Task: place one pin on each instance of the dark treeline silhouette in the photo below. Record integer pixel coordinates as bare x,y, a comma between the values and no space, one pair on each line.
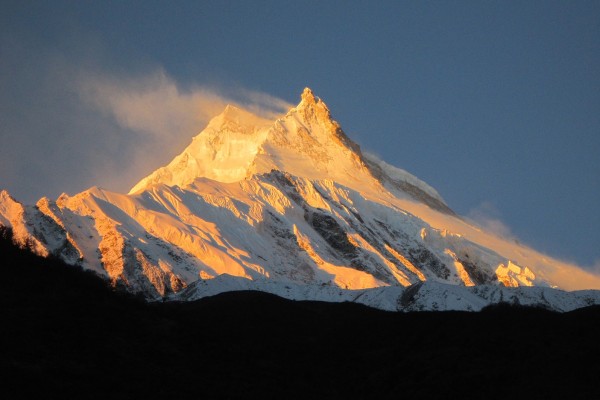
66,334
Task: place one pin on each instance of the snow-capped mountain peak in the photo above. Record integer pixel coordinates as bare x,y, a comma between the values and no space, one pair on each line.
238,144
294,207
314,113
307,97
234,117
313,109
223,151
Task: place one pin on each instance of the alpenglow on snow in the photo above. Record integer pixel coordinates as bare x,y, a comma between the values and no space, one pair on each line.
292,207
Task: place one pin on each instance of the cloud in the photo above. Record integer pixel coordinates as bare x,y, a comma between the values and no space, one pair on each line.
569,275
487,216
154,104
263,104
151,105
72,119
157,117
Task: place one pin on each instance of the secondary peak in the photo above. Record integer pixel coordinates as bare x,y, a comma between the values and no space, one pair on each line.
236,116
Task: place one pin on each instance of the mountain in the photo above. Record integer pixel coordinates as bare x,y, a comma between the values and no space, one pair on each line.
295,208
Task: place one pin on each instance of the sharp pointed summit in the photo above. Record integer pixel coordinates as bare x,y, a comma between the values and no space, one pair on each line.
313,108
307,95
307,98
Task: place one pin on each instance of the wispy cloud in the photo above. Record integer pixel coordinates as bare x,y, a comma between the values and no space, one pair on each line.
263,104
155,104
157,117
69,122
150,105
487,216
569,275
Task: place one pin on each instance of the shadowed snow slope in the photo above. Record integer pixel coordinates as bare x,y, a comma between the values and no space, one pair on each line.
292,207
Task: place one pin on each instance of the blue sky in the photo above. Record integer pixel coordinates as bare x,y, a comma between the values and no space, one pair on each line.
495,104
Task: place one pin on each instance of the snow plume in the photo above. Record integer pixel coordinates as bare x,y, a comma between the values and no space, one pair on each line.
151,105
574,277
487,216
157,117
73,119
568,275
263,104
154,104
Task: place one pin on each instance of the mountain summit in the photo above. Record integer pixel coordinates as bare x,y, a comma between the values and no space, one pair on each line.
292,207
236,145
305,142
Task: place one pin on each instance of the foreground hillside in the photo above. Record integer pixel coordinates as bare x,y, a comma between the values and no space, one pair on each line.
66,334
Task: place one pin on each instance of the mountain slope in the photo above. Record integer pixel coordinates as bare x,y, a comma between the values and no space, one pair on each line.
287,202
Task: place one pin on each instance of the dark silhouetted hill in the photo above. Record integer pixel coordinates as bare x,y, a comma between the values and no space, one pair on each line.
66,334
